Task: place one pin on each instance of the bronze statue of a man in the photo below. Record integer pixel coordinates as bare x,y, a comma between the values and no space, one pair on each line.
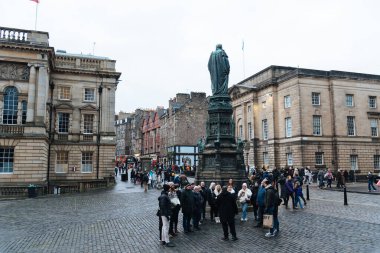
219,68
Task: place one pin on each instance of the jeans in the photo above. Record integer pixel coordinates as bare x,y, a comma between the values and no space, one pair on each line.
186,222
244,207
298,201
370,186
260,214
276,224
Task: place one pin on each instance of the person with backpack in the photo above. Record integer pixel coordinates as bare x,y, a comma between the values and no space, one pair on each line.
272,201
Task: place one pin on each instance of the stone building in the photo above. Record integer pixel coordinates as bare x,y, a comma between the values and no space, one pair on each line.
151,140
123,131
304,117
57,112
182,125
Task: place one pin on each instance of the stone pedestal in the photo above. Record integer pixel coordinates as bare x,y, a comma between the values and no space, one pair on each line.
221,158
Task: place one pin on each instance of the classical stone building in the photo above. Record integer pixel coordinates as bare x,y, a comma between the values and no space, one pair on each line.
56,111
305,117
182,125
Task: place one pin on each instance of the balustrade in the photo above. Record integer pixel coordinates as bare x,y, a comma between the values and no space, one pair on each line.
11,129
13,35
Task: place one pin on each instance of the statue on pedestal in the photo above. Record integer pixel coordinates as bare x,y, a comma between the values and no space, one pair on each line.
219,68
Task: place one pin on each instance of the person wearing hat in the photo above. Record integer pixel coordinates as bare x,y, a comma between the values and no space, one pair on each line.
165,212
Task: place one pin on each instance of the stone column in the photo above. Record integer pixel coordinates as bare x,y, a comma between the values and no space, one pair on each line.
31,94
42,95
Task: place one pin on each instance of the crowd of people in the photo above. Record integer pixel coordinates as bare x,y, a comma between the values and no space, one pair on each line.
264,190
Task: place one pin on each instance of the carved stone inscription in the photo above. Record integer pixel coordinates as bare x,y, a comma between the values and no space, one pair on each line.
14,71
209,161
228,162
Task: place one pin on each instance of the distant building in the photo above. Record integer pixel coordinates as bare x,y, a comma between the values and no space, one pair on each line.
182,125
303,117
56,112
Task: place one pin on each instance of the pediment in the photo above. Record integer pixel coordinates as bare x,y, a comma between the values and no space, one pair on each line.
88,108
64,107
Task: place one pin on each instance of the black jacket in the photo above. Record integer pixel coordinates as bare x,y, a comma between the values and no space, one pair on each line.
204,194
198,201
227,207
187,202
165,204
211,197
271,200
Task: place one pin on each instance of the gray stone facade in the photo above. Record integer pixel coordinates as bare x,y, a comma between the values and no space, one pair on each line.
303,117
182,125
57,125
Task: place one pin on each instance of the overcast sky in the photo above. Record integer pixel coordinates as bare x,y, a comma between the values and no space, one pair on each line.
162,46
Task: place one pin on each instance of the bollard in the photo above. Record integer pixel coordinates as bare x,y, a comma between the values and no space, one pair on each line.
307,192
345,196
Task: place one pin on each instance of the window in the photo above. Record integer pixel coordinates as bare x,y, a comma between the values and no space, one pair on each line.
86,162
351,126
287,102
317,125
24,105
374,132
289,158
63,122
349,100
265,158
249,108
250,130
6,159
240,131
89,94
315,98
62,164
288,127
372,102
88,123
376,162
10,106
265,129
354,162
264,104
64,93
318,158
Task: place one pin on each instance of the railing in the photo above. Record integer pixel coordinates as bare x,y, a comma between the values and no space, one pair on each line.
30,37
79,63
18,191
12,129
13,35
63,137
88,137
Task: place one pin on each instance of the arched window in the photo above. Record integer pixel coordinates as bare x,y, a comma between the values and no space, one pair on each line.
10,106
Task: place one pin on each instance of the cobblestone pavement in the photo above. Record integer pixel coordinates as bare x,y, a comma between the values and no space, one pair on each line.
123,220
358,187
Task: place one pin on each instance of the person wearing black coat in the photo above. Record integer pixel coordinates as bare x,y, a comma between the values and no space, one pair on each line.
187,204
227,207
211,201
204,196
165,213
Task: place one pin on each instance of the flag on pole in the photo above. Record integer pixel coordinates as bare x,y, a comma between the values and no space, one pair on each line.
37,1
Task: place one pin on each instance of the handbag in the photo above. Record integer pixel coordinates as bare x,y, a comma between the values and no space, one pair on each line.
267,221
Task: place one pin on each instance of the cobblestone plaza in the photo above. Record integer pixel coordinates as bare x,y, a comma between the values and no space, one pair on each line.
123,219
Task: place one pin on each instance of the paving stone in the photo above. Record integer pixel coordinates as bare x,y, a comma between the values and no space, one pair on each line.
125,221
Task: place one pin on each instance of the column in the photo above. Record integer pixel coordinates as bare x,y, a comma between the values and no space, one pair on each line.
42,94
31,94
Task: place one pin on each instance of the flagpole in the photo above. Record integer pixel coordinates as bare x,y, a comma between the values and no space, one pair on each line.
243,60
35,22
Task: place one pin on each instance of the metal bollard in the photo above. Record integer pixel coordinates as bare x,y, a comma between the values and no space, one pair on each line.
307,192
345,196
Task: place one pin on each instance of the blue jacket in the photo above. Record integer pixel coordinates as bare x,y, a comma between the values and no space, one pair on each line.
261,196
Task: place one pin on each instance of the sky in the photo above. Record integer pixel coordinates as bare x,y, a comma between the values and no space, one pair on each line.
162,46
